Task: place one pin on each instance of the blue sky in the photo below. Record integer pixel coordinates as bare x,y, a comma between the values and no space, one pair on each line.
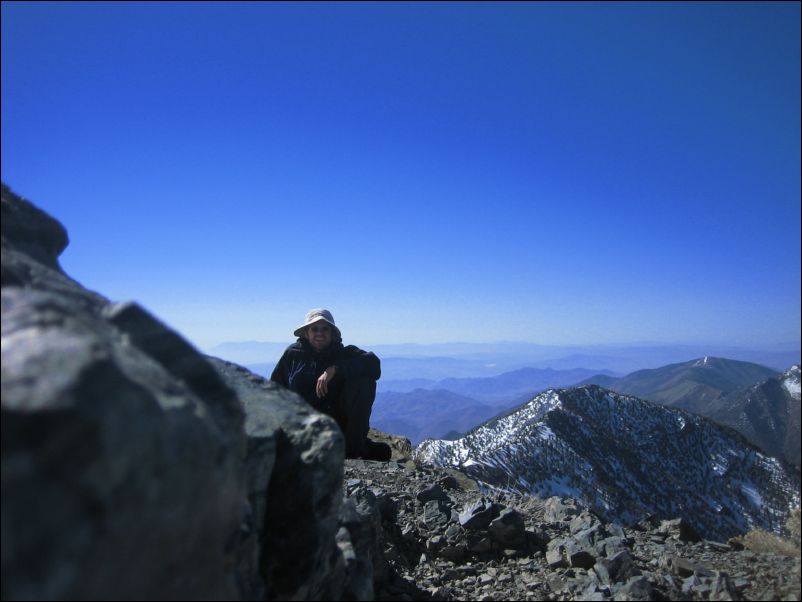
555,173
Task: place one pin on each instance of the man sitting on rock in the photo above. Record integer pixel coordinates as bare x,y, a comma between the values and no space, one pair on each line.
336,380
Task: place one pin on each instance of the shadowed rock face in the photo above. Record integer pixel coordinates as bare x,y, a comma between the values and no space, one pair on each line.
294,475
113,468
134,467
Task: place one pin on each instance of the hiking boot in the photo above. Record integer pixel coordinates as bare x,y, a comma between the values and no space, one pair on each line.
378,451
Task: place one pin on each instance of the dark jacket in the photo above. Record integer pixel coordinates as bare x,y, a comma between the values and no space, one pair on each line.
300,366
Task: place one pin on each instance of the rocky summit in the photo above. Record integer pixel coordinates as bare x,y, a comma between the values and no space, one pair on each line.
135,467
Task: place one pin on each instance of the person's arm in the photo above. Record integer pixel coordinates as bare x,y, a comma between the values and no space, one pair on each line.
322,386
355,363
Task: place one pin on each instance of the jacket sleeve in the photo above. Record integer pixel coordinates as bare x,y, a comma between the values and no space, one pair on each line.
279,374
355,363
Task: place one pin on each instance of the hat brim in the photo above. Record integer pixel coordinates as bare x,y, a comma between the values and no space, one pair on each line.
300,330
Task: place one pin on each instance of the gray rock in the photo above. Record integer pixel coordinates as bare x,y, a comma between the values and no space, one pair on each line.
448,482
299,554
615,530
454,552
508,529
589,537
362,548
690,583
682,567
560,509
621,567
679,528
556,554
454,533
584,522
610,546
436,515
723,588
435,543
578,556
435,492
601,571
637,588
479,514
478,542
113,468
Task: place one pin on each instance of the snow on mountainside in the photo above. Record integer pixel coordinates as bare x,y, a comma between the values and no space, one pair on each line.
625,458
791,382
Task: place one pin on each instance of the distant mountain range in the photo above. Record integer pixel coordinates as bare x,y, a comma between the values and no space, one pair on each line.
422,413
757,401
504,387
626,458
689,385
456,360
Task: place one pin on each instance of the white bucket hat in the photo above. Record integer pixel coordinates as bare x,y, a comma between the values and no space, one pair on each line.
317,315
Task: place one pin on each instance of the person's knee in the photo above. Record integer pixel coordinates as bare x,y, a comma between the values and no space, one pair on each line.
363,385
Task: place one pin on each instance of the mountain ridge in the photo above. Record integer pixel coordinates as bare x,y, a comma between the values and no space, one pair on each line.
624,458
689,384
763,410
767,413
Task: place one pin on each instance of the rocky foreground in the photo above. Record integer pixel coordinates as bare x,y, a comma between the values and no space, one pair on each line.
441,539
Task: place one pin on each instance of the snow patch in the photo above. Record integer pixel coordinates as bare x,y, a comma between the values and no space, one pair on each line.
792,386
750,491
546,434
556,486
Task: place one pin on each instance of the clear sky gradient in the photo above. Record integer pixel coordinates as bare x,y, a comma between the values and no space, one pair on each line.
555,173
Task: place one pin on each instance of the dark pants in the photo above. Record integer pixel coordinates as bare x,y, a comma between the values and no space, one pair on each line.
351,409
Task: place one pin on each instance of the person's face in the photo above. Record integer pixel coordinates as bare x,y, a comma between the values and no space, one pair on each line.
319,335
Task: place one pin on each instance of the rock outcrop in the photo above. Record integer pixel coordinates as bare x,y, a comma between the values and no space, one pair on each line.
293,471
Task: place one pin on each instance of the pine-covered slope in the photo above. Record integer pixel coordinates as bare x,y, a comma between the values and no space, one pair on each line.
625,458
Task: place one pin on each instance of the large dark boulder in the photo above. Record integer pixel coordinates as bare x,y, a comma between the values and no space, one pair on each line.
116,476
134,467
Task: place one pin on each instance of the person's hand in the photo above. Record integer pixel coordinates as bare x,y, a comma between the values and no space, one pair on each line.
322,387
